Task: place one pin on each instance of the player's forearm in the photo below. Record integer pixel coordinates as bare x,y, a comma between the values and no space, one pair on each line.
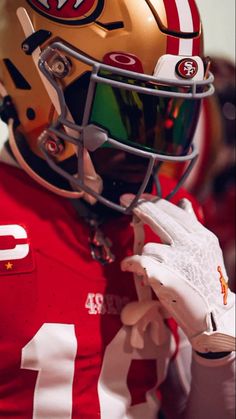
212,392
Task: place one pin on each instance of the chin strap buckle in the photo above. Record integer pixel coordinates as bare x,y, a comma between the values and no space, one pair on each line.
35,40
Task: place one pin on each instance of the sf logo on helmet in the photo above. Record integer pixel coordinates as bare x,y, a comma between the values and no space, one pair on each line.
71,12
187,68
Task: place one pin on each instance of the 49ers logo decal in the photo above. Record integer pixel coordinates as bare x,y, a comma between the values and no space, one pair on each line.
187,68
71,12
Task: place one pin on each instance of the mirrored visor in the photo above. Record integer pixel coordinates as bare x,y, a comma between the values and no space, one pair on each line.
157,124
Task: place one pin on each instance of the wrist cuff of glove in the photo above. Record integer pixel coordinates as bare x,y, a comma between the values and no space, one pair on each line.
213,355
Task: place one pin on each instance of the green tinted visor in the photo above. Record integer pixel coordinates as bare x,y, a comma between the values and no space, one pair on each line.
137,114
144,115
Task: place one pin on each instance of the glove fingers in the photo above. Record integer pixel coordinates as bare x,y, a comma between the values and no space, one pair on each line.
153,271
163,224
146,211
157,251
186,205
184,215
182,300
134,264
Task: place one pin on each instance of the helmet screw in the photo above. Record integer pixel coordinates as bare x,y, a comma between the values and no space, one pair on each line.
25,47
60,67
54,146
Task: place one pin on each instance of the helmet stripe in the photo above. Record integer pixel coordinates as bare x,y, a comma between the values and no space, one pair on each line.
195,16
182,16
196,27
172,15
185,15
172,23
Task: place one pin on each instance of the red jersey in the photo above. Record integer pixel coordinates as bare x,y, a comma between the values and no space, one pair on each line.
64,352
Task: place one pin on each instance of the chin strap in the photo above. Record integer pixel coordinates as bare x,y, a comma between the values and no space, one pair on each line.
145,315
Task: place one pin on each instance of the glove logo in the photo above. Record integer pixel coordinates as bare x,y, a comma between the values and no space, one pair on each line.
71,12
15,252
187,68
224,286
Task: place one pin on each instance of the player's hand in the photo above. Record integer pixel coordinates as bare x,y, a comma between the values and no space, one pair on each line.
187,274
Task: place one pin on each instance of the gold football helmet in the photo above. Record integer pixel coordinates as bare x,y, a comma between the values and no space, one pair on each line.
83,76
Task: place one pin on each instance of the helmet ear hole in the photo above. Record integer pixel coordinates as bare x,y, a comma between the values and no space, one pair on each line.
75,96
30,113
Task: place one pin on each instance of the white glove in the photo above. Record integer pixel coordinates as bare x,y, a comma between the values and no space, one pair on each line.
187,274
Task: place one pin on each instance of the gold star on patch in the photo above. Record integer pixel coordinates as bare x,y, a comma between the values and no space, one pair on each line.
8,266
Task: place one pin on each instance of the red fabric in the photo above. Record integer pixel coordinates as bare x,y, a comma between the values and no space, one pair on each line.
173,24
65,287
195,16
